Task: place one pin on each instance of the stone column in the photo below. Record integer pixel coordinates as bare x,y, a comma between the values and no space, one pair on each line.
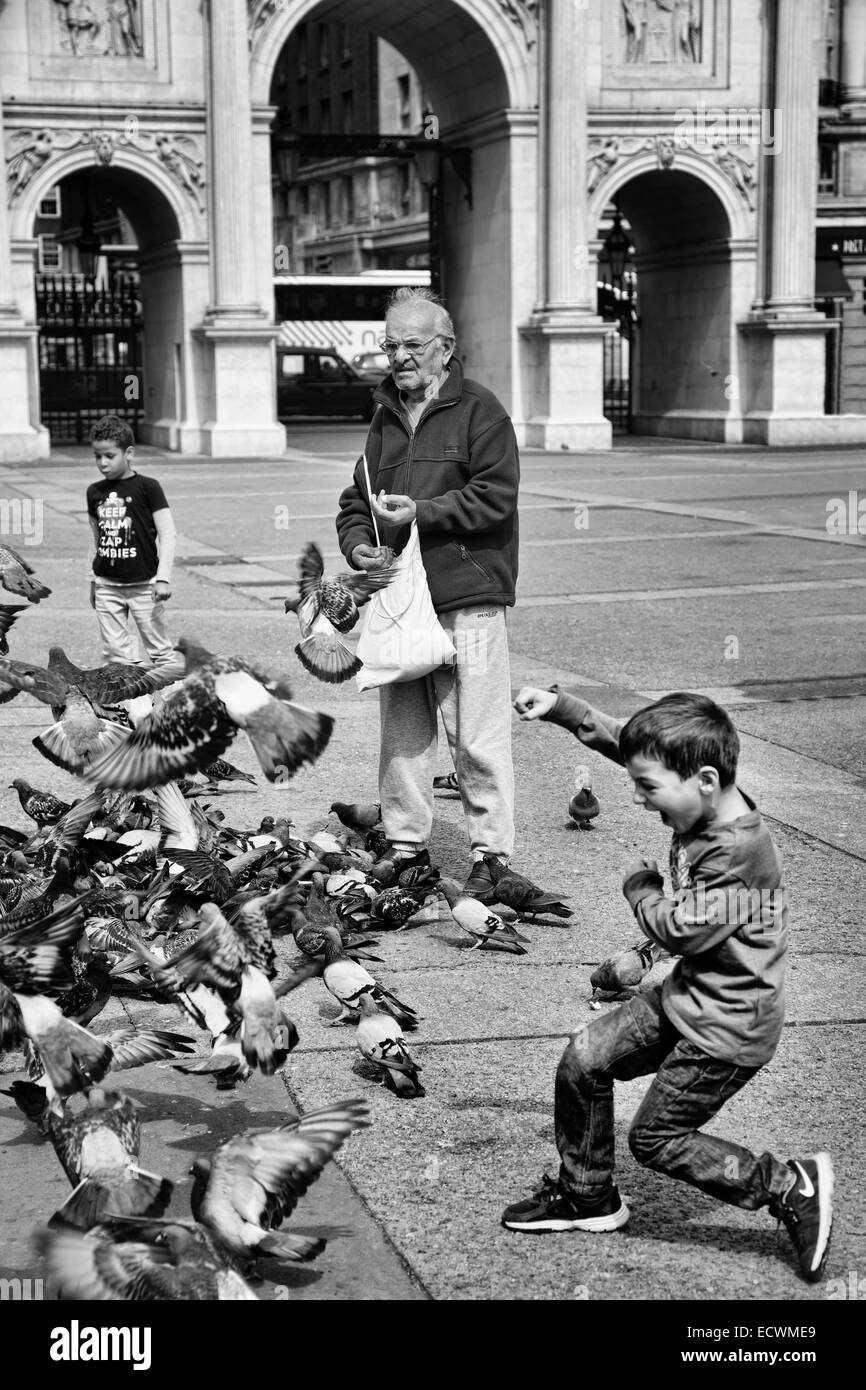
239,330
564,337
793,159
21,435
785,353
853,53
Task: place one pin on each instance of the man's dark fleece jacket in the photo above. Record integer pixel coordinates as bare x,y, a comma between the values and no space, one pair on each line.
462,469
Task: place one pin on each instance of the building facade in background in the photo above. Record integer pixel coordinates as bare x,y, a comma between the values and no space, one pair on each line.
723,140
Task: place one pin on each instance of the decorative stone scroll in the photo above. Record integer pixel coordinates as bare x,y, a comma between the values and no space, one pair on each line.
180,155
736,162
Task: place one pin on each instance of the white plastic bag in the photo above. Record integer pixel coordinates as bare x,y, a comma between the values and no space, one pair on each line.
401,637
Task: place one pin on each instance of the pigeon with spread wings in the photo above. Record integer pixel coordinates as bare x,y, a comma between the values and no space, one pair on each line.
196,723
16,576
327,606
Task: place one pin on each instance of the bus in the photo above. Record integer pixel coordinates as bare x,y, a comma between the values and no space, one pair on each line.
345,312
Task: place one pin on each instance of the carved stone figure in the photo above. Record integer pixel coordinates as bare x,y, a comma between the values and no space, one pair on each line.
635,17
523,13
103,146
81,24
662,31
28,159
183,166
124,29
666,149
600,161
735,167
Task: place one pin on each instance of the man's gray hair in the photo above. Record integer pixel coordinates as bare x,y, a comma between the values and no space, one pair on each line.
409,296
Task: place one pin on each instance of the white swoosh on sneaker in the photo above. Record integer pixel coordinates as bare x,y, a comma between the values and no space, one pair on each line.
807,1190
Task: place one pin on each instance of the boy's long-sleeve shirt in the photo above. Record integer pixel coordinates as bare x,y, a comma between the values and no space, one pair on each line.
727,921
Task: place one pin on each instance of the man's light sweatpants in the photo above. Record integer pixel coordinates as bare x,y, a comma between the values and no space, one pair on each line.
474,697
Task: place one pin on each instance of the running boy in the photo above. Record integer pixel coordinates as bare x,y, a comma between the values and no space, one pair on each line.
716,1019
134,536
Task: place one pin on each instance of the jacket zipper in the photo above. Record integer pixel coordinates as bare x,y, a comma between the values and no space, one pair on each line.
440,405
467,555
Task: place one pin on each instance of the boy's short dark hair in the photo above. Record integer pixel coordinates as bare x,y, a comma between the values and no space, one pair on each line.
113,428
685,733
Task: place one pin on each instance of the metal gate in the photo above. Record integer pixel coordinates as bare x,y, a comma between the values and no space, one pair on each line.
90,354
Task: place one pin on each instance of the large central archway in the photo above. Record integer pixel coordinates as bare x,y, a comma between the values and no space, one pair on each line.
473,62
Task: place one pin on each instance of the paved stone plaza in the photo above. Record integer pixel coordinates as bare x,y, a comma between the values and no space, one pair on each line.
644,570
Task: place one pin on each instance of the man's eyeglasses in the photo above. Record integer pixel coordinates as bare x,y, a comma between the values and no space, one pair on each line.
412,347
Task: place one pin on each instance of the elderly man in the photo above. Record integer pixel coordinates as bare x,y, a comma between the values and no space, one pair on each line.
442,452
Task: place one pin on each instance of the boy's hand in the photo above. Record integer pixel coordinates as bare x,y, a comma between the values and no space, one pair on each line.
161,590
93,593
640,866
532,703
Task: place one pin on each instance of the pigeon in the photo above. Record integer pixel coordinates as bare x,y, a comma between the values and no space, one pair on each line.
395,907
447,782
43,807
514,890
380,1040
221,771
197,722
358,815
98,1148
15,576
489,930
110,683
254,1181
326,607
179,1262
583,806
8,615
78,736
347,981
624,969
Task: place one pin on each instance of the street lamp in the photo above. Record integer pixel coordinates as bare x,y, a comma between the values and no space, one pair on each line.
615,251
88,243
428,164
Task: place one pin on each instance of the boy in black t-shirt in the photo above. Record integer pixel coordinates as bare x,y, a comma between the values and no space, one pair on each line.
134,535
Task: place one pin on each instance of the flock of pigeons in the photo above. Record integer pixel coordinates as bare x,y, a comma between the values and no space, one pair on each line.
141,888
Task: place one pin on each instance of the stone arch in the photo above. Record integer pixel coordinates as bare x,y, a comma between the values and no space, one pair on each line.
170,229
693,234
740,217
175,212
490,49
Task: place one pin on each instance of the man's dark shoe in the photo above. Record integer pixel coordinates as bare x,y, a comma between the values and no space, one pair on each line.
479,884
393,862
550,1210
807,1211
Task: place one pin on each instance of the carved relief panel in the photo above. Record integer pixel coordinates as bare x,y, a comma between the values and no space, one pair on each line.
98,40
665,43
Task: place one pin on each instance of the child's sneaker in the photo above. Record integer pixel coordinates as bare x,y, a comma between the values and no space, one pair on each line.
807,1211
550,1210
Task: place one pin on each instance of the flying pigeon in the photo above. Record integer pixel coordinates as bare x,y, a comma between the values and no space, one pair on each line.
15,576
327,605
8,615
218,696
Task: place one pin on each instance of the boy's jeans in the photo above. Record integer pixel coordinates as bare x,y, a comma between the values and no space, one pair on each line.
690,1087
115,605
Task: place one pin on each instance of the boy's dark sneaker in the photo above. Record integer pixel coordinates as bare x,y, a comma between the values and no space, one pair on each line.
550,1210
394,861
479,884
807,1211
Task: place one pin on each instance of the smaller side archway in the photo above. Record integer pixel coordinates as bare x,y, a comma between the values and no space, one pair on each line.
172,273
695,281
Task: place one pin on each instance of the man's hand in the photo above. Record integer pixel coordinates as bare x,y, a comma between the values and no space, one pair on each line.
372,557
532,703
394,507
161,590
93,593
